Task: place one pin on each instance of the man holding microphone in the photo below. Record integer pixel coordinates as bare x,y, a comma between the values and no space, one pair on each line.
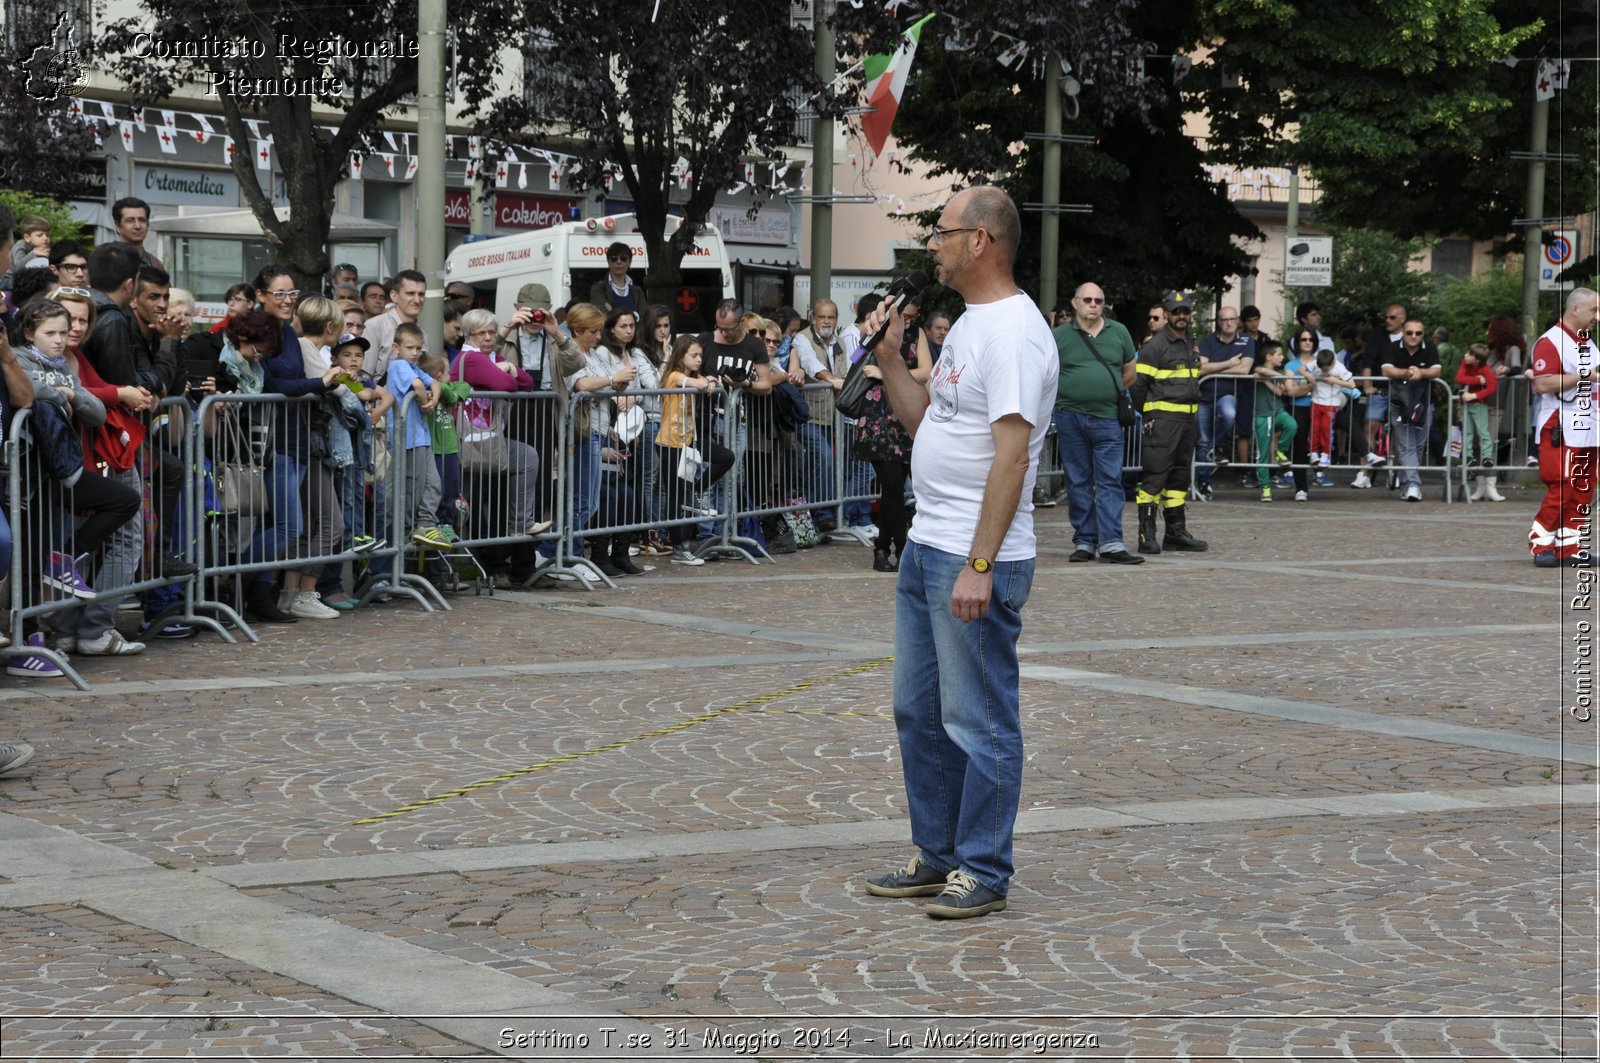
977,427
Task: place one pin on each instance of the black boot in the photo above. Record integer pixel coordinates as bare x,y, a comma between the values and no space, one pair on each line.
1178,537
1148,543
600,554
619,557
259,604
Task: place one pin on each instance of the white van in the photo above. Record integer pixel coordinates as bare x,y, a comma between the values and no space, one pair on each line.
568,259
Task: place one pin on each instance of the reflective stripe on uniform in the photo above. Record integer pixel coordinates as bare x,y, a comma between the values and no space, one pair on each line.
1171,407
1164,374
1173,499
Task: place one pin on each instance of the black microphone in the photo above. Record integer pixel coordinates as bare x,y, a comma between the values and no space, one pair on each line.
908,288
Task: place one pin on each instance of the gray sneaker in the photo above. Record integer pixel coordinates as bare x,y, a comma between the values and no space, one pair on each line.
964,898
682,555
13,755
913,880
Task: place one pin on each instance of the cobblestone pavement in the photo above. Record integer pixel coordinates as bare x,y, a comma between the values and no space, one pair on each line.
1316,793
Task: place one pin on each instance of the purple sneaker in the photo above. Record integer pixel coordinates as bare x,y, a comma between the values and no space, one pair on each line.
62,574
33,665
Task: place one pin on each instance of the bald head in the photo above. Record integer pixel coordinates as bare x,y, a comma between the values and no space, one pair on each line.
990,209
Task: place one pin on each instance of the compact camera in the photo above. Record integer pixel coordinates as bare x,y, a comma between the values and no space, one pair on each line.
538,317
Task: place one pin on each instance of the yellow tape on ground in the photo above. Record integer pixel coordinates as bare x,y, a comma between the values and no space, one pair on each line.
660,732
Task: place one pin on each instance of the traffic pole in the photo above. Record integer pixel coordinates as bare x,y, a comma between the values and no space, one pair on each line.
430,165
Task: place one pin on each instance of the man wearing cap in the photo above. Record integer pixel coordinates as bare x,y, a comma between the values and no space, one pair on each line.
533,341
1166,390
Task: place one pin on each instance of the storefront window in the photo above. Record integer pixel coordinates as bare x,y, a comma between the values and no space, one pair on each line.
209,267
367,257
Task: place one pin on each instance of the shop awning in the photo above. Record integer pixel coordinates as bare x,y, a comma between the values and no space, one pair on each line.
243,224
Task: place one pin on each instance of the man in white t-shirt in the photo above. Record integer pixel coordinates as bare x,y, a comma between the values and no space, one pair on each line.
1565,372
977,429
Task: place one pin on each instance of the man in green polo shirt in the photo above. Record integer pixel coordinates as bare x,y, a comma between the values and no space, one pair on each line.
1097,365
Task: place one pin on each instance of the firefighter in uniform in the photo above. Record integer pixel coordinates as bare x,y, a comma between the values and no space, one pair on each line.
1166,392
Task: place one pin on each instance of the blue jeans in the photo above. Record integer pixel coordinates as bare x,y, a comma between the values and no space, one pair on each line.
274,541
816,457
1091,458
957,714
585,490
1215,424
1410,445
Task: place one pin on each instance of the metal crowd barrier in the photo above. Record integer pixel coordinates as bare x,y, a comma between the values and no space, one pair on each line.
1511,443
1351,445
237,530
493,510
44,516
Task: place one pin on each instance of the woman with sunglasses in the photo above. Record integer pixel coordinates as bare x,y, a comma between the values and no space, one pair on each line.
312,530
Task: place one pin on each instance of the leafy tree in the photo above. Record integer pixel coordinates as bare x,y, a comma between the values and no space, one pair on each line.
710,82
1465,304
1156,221
1404,110
42,151
361,88
1370,271
63,226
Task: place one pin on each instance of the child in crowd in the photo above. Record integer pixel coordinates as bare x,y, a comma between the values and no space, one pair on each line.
416,441
1271,382
362,406
35,243
1332,384
446,446
1478,382
678,430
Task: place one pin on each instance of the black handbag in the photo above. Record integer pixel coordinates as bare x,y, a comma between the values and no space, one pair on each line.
1125,414
852,398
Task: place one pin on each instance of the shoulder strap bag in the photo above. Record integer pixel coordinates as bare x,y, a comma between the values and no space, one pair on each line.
1125,413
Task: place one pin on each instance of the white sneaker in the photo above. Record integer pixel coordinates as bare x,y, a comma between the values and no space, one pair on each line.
1325,460
1374,459
1362,481
111,644
286,599
1412,494
1301,496
308,606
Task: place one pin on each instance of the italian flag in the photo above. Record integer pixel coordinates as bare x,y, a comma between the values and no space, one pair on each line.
886,83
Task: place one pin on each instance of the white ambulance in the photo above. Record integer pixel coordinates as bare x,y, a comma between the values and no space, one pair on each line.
568,258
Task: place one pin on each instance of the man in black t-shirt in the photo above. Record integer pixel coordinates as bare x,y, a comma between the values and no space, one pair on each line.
742,363
732,354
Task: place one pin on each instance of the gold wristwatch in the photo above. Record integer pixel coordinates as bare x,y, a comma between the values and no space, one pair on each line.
980,565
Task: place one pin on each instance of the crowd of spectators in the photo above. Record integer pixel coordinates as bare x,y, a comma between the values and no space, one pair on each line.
108,358
1370,398
337,432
